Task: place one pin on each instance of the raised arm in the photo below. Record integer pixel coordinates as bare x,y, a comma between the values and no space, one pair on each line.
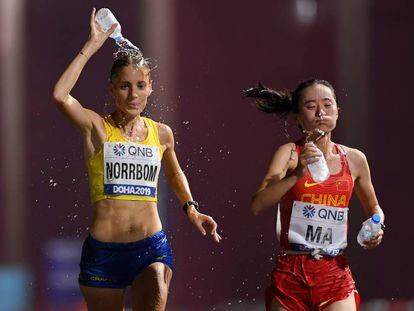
82,118
178,181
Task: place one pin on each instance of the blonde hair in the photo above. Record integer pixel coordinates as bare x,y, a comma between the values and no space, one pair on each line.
125,61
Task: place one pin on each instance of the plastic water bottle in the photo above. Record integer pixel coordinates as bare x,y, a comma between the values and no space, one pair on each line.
106,19
370,228
319,170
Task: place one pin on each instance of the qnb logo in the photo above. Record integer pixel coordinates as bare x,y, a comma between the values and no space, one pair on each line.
308,211
119,149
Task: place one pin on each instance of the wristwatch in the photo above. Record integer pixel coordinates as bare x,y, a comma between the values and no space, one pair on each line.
188,204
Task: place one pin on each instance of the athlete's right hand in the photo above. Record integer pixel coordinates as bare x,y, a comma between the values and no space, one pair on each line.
205,223
97,36
310,154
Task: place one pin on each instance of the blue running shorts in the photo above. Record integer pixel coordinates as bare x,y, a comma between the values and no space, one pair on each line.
115,265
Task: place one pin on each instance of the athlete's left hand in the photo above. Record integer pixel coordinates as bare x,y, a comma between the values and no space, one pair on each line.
375,241
204,224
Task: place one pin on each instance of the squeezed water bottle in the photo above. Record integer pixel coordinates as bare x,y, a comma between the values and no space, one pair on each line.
106,19
369,229
319,170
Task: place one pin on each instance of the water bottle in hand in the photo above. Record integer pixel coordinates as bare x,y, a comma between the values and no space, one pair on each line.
319,170
106,19
370,228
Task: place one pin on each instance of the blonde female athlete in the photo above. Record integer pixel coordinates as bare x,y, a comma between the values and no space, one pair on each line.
124,151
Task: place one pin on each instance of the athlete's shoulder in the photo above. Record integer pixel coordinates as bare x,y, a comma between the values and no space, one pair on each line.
288,147
163,128
165,134
354,155
160,126
284,151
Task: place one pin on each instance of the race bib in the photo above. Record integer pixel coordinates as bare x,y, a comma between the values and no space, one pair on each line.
131,169
315,226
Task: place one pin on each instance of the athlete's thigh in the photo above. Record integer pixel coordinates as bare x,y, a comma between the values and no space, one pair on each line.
103,299
347,304
149,290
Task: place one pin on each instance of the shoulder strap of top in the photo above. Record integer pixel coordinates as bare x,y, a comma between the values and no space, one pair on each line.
299,146
343,154
153,130
341,149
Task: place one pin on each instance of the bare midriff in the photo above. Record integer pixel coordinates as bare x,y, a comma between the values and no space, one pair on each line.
124,221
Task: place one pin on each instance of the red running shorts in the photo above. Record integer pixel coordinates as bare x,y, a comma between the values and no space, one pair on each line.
302,283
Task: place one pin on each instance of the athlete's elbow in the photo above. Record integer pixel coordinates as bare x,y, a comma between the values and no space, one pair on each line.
59,97
175,177
255,206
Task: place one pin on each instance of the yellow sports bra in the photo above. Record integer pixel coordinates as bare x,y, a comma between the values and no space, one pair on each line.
124,170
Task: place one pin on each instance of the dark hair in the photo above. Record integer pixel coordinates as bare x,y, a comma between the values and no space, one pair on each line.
281,102
126,60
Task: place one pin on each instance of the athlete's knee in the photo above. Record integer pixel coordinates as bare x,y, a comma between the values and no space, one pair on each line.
159,276
151,288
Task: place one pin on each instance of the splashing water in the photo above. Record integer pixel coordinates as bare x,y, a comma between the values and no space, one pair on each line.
285,128
314,135
126,48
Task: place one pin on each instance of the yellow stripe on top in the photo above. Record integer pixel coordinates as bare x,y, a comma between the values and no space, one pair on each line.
124,170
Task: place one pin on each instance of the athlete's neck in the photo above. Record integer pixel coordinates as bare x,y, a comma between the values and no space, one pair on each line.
132,127
326,145
125,121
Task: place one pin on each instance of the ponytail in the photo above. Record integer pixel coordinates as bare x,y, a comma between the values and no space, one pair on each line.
270,101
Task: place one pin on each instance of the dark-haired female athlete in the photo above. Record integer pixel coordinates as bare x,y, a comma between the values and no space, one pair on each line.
311,270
